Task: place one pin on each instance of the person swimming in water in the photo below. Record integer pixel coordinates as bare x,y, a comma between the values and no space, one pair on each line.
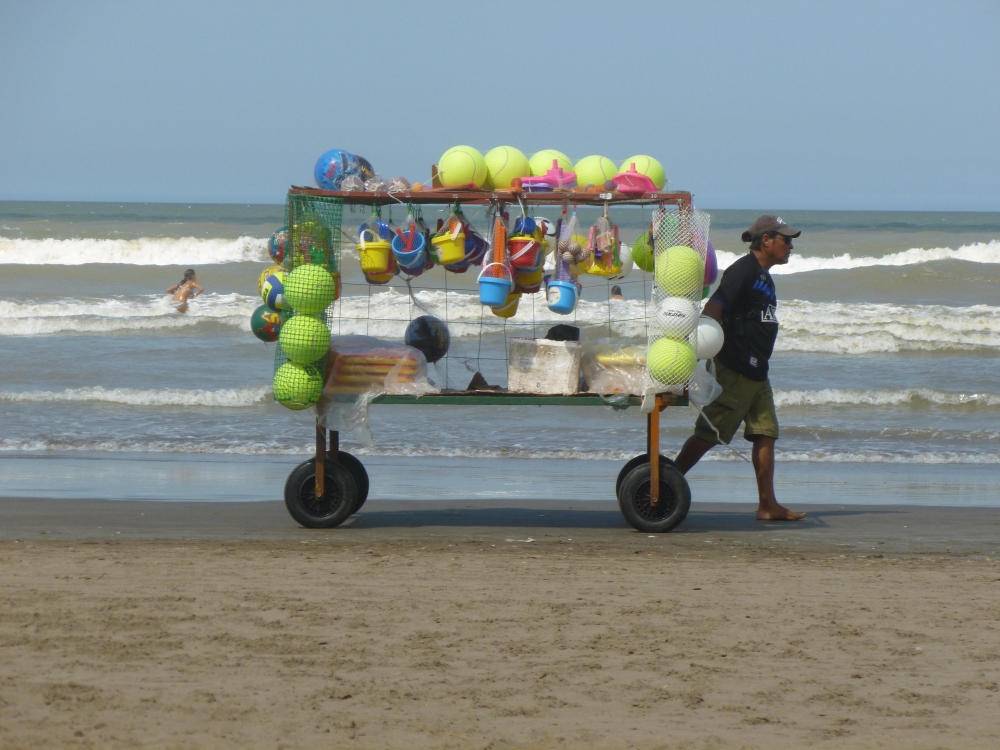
186,289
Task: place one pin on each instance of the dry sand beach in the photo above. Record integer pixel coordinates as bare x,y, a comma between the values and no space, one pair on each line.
474,625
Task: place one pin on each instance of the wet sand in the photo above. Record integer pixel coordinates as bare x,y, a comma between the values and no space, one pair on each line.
502,625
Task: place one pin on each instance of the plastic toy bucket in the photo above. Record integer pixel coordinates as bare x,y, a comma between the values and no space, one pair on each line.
561,296
493,290
374,256
524,251
380,278
416,270
475,248
528,282
448,250
509,308
410,261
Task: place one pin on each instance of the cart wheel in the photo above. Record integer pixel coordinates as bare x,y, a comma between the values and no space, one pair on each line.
664,461
328,511
675,499
357,470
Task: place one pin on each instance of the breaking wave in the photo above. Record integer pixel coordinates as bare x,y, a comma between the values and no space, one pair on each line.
226,397
103,315
272,448
914,397
145,251
978,252
829,327
867,328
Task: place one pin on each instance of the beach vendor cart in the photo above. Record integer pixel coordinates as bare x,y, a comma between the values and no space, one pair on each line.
528,245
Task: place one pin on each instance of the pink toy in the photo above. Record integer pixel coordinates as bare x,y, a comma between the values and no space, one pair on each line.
632,182
554,179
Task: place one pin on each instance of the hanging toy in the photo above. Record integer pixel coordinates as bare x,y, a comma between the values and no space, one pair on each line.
496,278
448,245
524,246
561,290
573,247
606,249
474,249
374,246
409,248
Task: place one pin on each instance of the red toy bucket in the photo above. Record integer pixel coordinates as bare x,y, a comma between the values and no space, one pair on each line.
524,251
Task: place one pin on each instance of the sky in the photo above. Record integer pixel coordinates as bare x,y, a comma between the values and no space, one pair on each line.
784,105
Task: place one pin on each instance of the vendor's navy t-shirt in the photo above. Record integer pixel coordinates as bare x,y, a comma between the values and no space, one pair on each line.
749,317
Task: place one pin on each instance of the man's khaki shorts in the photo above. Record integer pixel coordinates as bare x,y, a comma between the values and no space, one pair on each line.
742,400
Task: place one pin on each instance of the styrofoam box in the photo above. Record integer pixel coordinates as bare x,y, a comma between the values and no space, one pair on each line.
543,366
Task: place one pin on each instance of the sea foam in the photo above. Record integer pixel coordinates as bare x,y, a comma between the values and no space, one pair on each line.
978,252
913,397
110,315
869,328
145,251
830,327
226,397
272,448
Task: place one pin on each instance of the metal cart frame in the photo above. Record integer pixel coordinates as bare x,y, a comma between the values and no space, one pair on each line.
653,495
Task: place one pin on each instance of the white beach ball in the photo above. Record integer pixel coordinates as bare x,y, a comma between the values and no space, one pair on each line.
710,337
678,316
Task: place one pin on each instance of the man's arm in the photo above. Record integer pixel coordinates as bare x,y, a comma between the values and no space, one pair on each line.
713,309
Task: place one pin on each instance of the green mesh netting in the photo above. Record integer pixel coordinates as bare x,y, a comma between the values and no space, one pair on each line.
312,260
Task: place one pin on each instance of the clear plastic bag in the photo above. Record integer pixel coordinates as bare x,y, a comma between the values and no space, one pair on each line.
604,248
703,388
360,368
611,369
573,246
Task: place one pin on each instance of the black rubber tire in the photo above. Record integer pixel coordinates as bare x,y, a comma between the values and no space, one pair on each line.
337,503
358,471
632,463
675,499
360,475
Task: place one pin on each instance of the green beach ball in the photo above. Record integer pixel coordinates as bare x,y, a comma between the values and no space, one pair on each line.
541,162
594,170
297,386
504,163
648,166
304,339
642,252
461,165
310,289
679,271
671,362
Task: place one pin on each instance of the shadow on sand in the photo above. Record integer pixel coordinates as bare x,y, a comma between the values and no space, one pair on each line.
605,517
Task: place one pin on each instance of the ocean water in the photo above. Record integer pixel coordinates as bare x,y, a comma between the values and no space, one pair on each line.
888,351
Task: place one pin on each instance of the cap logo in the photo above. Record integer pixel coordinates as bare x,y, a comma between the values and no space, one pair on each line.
780,220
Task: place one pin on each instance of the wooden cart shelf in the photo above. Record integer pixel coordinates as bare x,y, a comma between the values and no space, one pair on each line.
485,197
485,398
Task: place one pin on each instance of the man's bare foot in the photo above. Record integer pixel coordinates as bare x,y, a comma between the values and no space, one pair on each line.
777,512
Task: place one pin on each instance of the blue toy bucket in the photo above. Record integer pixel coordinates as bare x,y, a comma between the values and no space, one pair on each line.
561,296
475,248
410,260
493,291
